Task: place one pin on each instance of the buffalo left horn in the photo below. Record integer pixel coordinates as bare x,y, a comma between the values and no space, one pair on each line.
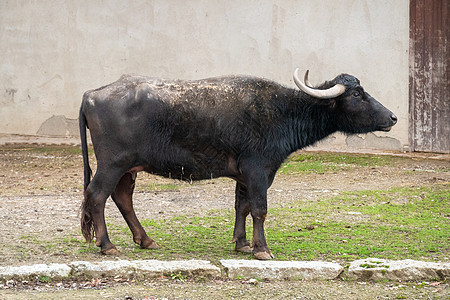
306,80
332,92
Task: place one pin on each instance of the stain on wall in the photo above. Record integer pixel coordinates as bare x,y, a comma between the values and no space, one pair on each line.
59,126
372,141
9,96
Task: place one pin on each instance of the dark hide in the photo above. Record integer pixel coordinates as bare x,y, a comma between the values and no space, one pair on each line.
238,127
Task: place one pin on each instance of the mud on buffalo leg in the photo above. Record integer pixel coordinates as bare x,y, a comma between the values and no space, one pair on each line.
242,207
122,196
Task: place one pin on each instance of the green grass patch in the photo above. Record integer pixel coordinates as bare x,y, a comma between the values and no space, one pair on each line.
185,238
321,162
394,224
153,187
47,150
59,150
44,279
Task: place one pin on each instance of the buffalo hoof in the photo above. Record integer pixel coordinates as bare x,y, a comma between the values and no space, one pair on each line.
150,244
263,255
110,251
245,249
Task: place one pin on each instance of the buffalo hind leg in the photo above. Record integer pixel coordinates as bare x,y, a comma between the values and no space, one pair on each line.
93,214
122,196
242,207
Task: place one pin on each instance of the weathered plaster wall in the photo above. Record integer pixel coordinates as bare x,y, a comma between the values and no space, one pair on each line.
52,51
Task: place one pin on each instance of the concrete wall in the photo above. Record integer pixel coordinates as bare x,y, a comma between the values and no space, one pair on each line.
52,51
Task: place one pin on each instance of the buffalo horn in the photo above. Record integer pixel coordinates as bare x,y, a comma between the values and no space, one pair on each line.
306,80
332,92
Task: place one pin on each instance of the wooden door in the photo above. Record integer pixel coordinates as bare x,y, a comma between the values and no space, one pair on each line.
429,97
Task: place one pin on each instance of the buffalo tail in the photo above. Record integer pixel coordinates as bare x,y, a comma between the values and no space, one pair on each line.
87,223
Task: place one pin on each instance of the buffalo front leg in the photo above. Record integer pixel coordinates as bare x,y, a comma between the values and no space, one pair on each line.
257,177
122,196
260,249
242,207
257,196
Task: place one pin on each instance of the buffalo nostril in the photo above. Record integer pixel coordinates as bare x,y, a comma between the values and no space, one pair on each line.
394,118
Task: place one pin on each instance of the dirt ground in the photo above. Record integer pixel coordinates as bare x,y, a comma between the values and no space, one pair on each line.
228,289
41,191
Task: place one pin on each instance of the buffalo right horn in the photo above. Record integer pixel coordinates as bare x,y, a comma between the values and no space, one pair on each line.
332,92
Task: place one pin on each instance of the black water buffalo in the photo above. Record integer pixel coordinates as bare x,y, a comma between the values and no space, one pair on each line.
235,126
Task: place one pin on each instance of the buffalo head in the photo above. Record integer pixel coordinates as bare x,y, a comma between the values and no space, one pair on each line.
356,110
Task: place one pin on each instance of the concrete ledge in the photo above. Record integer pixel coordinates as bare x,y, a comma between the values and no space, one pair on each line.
308,270
362,270
150,268
50,270
404,270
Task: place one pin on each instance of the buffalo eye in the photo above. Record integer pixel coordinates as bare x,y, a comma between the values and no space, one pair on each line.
356,94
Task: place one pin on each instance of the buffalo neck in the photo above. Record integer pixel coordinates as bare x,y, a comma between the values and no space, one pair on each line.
307,121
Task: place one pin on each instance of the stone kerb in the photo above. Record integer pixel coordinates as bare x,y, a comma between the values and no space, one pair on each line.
50,270
150,268
399,270
309,270
361,270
